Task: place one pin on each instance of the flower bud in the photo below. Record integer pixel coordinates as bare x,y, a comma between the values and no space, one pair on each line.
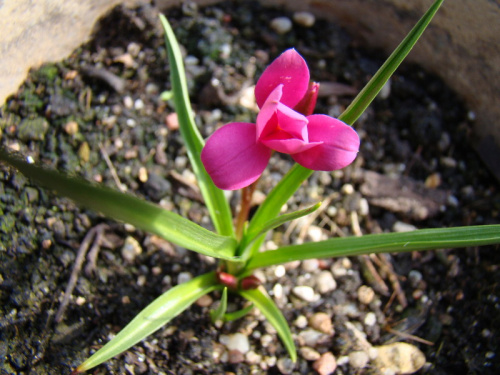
250,282
227,279
308,102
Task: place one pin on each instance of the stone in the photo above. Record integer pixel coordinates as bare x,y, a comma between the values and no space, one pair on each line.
236,341
281,25
365,294
326,364
325,282
305,19
358,359
33,129
321,322
305,293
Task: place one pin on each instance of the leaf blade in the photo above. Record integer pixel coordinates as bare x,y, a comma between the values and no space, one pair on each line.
215,200
153,317
372,88
265,304
124,207
423,239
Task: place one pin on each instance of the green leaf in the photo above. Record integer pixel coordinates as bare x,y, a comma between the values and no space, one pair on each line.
423,239
235,315
215,200
372,88
265,304
271,207
218,313
119,206
276,222
154,316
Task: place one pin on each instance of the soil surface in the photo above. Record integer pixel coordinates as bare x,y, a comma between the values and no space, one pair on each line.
98,114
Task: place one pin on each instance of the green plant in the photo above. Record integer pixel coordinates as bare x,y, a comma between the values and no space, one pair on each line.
237,247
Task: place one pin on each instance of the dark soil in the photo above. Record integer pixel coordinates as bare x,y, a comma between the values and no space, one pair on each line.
419,129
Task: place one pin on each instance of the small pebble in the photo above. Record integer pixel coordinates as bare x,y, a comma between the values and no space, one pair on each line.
326,364
308,353
204,301
365,294
399,226
236,341
305,19
71,127
300,322
172,121
310,265
285,365
143,174
281,25
358,359
385,92
131,249
253,358
370,319
315,233
321,322
184,277
279,271
325,282
414,277
128,102
347,189
311,337
235,356
305,293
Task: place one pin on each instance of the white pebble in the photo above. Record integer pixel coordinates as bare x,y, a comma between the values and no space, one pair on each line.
305,293
279,271
304,18
128,102
325,282
300,322
370,319
184,277
139,104
236,341
278,291
281,25
358,359
315,233
131,248
365,294
347,189
309,354
310,265
399,226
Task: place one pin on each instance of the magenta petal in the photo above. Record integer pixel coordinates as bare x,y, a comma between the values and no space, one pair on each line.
233,158
339,148
288,145
266,118
289,69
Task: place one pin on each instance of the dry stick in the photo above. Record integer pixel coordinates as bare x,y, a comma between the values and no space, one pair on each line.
409,336
94,250
374,277
112,169
76,270
393,278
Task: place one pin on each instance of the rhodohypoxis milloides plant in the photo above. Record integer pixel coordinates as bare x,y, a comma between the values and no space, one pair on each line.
234,157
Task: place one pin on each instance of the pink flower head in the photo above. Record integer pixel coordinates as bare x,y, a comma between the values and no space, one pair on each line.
236,154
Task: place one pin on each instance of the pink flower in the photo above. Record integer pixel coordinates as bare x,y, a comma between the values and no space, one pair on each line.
236,154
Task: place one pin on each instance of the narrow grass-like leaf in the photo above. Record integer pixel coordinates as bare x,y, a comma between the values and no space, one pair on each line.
154,316
276,222
119,206
271,207
372,88
265,304
235,315
218,313
215,200
423,239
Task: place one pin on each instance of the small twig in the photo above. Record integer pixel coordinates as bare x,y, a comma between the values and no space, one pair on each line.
409,336
373,276
80,257
94,250
115,82
112,169
393,278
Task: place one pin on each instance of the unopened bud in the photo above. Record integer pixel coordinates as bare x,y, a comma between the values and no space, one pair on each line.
250,282
308,102
227,279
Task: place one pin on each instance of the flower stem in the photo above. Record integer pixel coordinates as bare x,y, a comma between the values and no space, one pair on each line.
246,200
